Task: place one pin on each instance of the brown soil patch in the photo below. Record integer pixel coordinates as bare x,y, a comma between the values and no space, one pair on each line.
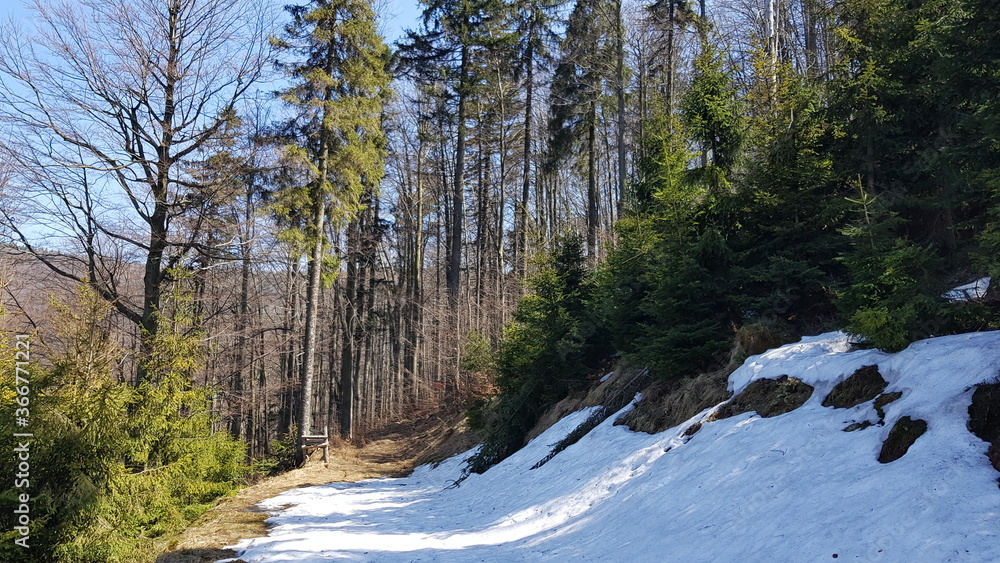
768,397
862,386
393,452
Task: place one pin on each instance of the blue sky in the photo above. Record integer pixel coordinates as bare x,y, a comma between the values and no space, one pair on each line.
397,15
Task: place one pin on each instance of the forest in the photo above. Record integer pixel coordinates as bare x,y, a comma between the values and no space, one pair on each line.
229,225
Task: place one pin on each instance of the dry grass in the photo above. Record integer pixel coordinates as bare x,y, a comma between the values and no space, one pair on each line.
768,397
666,404
757,338
862,386
692,430
390,453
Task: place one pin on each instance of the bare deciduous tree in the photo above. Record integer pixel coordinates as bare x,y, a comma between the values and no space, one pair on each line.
109,103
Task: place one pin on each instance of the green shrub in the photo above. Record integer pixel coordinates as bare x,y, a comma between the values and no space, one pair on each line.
113,466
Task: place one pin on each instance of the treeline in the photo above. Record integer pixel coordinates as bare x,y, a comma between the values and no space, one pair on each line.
353,249
824,166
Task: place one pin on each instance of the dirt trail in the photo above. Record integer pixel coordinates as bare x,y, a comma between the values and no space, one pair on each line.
391,453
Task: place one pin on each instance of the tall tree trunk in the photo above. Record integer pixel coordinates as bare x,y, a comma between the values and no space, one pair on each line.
312,304
152,282
316,233
671,30
620,78
809,23
771,40
158,242
237,421
289,355
458,194
592,196
348,364
521,238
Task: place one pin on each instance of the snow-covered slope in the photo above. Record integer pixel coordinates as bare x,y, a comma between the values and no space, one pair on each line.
795,487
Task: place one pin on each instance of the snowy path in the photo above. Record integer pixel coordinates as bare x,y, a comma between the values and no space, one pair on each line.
791,488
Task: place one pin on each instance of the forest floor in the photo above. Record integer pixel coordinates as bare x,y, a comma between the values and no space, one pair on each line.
392,452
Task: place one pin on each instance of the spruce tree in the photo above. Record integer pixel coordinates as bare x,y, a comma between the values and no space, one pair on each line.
341,82
543,354
713,116
791,207
534,23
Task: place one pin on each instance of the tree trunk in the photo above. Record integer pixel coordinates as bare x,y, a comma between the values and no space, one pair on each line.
348,364
288,365
521,238
316,235
620,77
312,302
592,195
458,194
809,23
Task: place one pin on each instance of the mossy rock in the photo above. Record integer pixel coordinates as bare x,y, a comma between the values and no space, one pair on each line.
767,397
862,386
882,400
903,434
984,412
858,426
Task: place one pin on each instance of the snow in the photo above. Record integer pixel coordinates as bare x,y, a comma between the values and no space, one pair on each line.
969,291
795,487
